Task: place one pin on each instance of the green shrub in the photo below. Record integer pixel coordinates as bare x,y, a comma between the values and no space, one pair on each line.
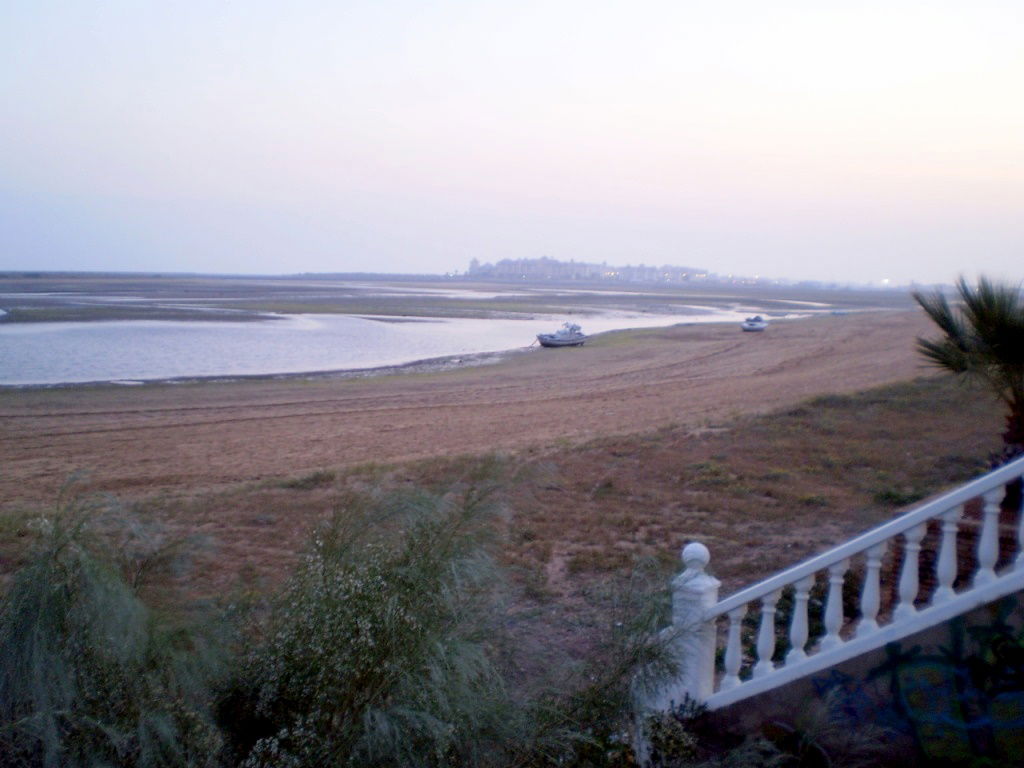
376,652
89,675
669,738
897,497
388,648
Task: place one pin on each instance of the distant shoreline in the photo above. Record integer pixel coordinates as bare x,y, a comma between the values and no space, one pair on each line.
427,365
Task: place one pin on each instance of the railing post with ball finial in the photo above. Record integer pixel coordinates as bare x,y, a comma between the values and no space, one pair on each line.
693,592
691,636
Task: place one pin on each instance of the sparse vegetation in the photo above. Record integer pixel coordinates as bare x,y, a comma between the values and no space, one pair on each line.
309,481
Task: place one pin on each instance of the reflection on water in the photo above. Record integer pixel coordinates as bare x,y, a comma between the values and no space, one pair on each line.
53,353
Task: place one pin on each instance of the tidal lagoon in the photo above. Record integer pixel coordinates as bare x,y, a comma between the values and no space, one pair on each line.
73,329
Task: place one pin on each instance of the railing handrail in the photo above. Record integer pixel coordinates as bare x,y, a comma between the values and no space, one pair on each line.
884,532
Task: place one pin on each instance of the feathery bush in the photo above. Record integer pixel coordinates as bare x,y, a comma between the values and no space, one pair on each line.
376,652
89,675
384,649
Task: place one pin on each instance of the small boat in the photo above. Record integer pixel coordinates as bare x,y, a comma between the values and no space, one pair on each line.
755,323
569,335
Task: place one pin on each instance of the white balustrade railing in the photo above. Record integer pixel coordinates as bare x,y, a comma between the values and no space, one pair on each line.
748,648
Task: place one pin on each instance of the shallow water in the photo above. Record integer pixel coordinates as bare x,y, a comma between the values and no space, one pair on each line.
137,350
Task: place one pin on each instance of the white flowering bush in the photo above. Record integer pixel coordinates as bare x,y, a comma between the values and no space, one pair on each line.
376,652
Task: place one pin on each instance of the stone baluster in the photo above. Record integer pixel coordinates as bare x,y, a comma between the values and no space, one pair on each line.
733,649
766,635
798,628
870,598
988,543
945,569
691,636
834,605
909,582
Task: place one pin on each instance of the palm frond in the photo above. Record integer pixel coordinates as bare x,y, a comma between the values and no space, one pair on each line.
944,354
983,336
938,309
995,315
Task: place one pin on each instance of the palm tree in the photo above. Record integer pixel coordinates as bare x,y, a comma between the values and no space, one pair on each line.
984,341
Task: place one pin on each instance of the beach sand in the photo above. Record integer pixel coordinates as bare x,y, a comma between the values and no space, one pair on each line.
137,440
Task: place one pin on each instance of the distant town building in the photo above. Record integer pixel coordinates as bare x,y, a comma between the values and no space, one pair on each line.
546,268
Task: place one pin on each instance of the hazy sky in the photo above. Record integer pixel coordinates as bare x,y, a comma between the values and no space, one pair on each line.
841,141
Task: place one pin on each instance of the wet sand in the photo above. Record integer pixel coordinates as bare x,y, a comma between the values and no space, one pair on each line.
135,440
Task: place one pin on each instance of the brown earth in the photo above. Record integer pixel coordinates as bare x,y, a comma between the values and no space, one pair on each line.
134,441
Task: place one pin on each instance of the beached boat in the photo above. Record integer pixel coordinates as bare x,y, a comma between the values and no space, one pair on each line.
569,335
756,323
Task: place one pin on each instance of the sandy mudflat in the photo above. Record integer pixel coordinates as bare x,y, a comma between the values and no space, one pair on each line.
175,436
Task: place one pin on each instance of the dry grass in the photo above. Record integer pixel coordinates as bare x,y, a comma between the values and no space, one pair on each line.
762,492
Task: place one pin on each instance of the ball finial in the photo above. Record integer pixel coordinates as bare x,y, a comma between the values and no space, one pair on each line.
695,556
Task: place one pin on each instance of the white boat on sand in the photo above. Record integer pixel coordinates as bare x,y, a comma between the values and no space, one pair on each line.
569,335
